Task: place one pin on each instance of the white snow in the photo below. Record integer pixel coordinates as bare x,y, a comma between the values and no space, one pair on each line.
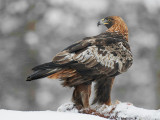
119,111
67,107
68,111
125,110
45,115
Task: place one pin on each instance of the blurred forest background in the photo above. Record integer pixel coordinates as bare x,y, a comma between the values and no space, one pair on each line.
33,31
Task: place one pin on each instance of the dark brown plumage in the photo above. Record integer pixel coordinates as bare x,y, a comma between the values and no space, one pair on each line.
99,58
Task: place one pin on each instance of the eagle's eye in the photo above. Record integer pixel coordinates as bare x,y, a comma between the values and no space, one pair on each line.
109,20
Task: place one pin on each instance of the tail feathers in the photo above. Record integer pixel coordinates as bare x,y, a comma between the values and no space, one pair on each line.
44,66
43,70
41,74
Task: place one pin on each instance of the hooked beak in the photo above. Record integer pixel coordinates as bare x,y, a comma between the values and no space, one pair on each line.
102,22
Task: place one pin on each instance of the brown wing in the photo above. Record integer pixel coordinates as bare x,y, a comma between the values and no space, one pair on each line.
102,54
106,55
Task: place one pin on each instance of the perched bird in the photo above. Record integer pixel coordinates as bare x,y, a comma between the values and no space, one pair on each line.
99,58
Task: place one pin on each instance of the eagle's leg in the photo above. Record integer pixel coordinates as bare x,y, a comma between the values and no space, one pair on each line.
103,91
81,95
110,84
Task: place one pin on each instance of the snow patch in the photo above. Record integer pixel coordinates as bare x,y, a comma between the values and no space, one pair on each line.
124,110
67,107
68,111
116,111
45,115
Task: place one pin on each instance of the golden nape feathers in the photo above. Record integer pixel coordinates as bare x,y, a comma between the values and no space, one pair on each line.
119,26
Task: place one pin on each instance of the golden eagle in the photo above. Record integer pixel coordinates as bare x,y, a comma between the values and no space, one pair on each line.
98,58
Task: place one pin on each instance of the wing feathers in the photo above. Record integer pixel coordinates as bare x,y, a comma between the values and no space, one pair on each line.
104,55
95,51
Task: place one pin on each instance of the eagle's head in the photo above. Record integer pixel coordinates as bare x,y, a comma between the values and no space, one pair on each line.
108,22
114,24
